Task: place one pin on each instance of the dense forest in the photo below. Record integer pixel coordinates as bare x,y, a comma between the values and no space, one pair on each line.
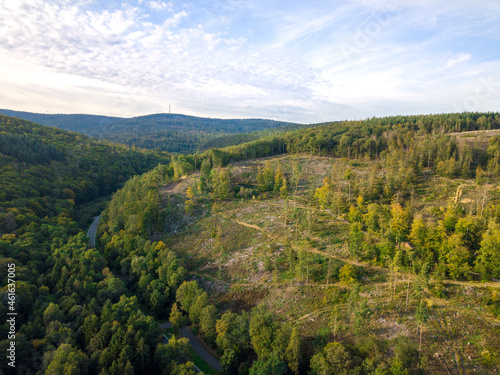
64,289
303,252
164,132
76,122
356,139
236,139
45,169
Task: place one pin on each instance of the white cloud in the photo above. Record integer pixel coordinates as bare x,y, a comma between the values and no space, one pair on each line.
463,57
232,56
160,5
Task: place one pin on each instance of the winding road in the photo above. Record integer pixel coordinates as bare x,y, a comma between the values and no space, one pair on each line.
93,230
196,346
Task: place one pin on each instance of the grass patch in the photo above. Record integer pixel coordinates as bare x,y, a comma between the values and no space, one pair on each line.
201,364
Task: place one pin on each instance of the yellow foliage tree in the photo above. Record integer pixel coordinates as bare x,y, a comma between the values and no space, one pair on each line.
323,193
347,274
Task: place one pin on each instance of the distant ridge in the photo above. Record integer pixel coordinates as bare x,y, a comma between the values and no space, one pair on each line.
73,122
161,131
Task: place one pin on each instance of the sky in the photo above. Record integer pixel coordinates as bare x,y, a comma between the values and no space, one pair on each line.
300,61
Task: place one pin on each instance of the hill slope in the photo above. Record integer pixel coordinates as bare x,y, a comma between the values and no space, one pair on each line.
344,253
75,122
44,169
370,247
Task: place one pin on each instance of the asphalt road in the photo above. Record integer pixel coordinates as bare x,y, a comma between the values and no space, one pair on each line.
196,345
93,230
199,349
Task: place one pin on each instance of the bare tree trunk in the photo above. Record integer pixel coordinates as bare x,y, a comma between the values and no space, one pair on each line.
484,200
391,287
407,292
446,368
420,347
286,215
328,274
395,280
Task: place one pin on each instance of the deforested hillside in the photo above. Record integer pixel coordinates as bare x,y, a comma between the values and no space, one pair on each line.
367,248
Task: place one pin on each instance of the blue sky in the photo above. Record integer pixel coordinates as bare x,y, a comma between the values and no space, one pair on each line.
289,60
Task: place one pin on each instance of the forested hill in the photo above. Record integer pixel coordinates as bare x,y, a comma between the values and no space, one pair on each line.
47,171
178,133
426,135
237,139
166,132
75,122
64,290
